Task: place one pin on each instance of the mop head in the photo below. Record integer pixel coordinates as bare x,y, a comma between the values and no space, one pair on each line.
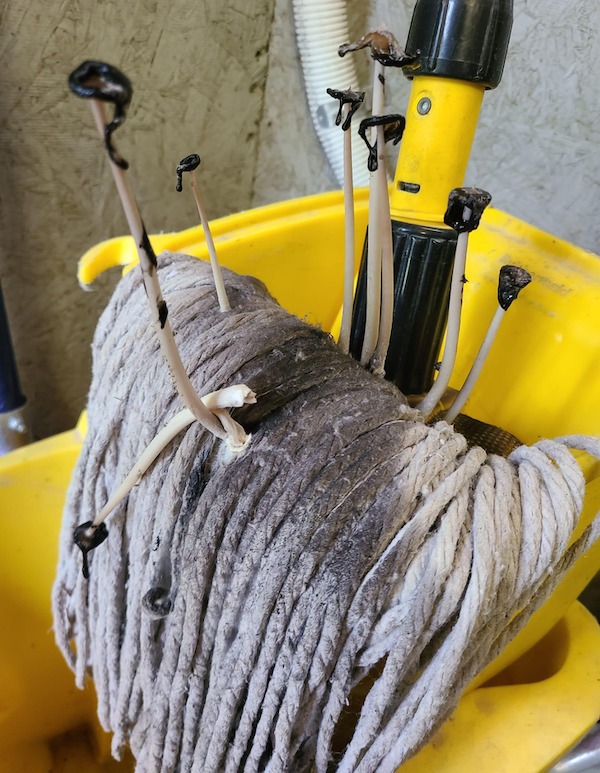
239,602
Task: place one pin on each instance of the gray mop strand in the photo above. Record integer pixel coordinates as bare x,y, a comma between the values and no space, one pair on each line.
238,601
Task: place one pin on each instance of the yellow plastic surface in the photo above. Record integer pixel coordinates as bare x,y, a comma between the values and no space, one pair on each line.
519,723
435,147
541,380
46,724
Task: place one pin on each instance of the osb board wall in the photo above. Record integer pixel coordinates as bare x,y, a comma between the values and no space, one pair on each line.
223,79
537,147
198,70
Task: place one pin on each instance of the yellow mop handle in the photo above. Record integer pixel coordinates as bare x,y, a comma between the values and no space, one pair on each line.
441,119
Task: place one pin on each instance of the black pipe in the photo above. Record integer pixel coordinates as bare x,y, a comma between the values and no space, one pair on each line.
11,396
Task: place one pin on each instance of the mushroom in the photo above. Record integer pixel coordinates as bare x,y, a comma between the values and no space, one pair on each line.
393,129
350,101
189,164
100,82
385,51
465,208
511,281
90,534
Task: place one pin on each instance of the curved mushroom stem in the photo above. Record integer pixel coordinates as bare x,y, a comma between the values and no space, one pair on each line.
440,385
374,233
344,341
393,129
218,402
386,320
148,266
98,81
350,101
512,280
190,164
466,389
465,208
386,52
386,317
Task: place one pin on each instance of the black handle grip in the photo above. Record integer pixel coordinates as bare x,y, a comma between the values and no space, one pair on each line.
423,259
11,396
463,39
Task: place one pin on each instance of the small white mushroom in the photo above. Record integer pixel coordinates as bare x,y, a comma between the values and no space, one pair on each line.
350,101
465,208
190,164
393,129
511,281
386,52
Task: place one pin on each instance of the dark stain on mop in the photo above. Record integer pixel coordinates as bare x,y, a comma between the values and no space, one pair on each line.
163,313
381,79
197,480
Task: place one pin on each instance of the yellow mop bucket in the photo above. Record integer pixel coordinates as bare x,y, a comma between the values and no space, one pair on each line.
543,693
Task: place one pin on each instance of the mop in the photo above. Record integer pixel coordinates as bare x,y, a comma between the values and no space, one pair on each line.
237,601
268,567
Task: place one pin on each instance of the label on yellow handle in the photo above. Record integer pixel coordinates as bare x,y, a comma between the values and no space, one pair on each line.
441,120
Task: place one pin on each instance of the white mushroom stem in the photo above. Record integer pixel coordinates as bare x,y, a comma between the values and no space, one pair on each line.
219,402
224,304
431,399
183,384
476,368
344,340
386,318
374,236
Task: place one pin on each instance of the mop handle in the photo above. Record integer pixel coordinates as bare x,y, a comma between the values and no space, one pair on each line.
459,48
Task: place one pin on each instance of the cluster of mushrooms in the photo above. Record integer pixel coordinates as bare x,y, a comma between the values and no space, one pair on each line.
102,83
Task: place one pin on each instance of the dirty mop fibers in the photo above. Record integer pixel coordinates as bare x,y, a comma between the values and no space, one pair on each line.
237,602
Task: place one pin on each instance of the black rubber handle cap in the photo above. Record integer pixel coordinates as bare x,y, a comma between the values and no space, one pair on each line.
423,260
462,39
